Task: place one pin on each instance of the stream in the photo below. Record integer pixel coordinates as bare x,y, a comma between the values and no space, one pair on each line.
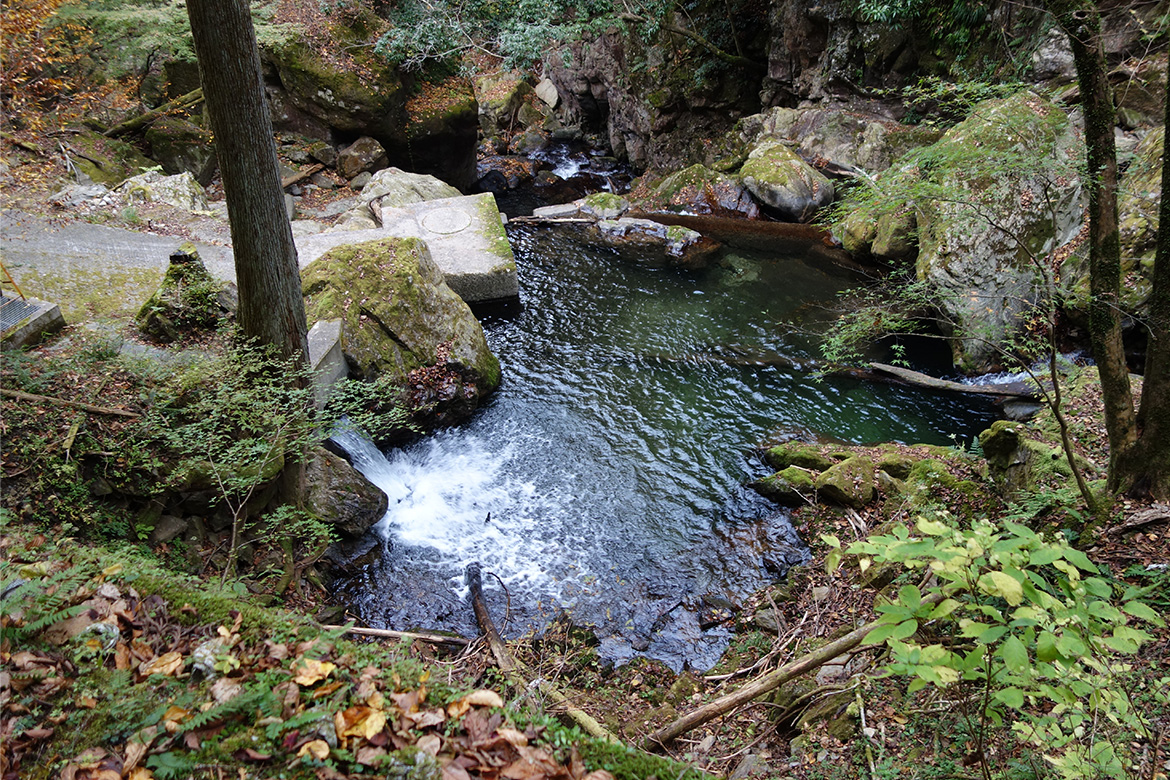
604,478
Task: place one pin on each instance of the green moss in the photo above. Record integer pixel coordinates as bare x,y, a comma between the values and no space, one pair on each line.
83,295
805,456
494,232
606,201
627,763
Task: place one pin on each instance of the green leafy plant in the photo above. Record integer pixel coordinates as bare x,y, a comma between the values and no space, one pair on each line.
1031,625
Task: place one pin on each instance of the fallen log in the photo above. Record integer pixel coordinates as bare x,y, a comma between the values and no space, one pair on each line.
183,101
1009,390
301,175
386,633
515,671
62,402
758,687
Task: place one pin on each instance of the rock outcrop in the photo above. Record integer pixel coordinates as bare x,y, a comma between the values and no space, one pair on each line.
399,318
181,146
337,494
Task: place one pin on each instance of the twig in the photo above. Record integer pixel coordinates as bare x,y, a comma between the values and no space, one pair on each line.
62,402
385,633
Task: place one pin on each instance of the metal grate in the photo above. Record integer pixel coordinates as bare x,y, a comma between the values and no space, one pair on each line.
13,310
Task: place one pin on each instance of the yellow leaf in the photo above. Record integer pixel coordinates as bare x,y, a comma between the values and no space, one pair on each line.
34,571
998,583
140,773
110,571
318,749
166,664
311,671
484,698
376,701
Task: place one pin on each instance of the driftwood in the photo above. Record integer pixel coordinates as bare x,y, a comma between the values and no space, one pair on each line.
1009,390
62,402
758,687
515,671
183,101
301,175
1157,513
385,633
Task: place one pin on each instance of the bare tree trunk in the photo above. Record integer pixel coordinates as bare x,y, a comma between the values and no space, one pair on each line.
272,310
1147,470
1081,21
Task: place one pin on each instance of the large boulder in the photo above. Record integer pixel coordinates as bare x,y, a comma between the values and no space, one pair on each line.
181,146
780,179
400,319
181,190
851,483
364,154
337,494
1010,195
1138,204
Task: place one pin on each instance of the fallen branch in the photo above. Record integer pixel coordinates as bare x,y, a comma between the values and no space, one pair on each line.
515,671
1140,519
183,101
770,681
62,402
385,633
1010,389
301,175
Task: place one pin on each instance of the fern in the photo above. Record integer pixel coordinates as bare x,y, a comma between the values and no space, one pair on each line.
40,603
250,699
306,718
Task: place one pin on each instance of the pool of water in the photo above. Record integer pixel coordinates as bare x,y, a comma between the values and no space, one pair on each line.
605,478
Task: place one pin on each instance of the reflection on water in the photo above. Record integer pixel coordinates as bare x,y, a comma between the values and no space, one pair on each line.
604,478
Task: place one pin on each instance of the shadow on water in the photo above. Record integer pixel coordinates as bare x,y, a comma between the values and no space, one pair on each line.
605,476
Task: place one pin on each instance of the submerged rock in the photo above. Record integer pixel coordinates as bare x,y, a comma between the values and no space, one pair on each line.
655,243
399,318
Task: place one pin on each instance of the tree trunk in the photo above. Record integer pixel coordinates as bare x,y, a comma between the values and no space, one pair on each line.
271,308
1082,23
1146,467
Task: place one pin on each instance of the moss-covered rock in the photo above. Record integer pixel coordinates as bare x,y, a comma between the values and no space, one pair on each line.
106,161
604,205
851,483
181,190
932,483
399,318
701,190
337,494
779,178
793,486
181,146
186,301
653,243
806,456
1009,458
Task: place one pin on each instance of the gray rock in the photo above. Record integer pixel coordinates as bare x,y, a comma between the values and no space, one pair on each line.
547,92
364,154
167,528
393,187
181,191
339,495
700,190
654,243
76,194
1053,58
361,180
324,153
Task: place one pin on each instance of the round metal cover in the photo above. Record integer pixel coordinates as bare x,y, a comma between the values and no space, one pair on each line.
446,221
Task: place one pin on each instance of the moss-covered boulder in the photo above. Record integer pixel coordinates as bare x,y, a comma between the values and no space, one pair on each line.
337,494
603,205
426,124
977,246
106,161
399,318
187,300
501,96
806,456
792,486
1138,204
181,146
780,179
701,190
1008,455
851,482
